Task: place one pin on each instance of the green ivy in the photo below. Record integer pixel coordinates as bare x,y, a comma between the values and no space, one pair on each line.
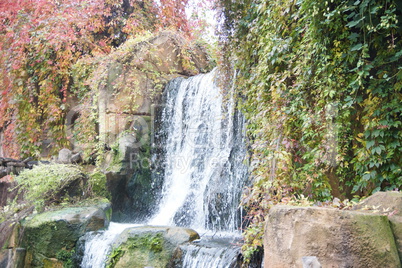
322,87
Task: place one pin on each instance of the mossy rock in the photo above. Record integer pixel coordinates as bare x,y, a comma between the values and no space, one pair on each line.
388,204
149,246
47,234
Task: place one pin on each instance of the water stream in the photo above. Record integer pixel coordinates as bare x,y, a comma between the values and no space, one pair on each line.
199,159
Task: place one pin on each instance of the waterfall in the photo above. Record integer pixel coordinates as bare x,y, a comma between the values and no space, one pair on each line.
97,245
202,136
198,164
216,253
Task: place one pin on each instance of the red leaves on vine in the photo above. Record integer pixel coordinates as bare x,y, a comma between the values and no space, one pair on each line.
41,40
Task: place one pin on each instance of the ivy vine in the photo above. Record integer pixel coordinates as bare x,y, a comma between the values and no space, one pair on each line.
322,87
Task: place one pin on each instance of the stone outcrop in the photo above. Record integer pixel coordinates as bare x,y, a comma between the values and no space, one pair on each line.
330,237
40,239
150,246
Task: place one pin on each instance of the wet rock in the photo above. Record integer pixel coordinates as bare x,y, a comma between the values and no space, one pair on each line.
46,234
337,238
150,246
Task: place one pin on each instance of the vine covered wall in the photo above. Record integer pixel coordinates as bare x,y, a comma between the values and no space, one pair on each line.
322,83
41,40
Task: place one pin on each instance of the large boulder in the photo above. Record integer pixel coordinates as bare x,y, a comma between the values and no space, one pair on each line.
49,235
336,238
149,246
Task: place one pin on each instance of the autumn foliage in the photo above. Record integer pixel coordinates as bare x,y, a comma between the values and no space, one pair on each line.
40,40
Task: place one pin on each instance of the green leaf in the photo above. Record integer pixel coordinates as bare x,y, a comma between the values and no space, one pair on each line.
369,144
357,47
366,177
354,23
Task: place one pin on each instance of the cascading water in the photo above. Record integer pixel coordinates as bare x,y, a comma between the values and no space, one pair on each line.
199,154
203,154
203,150
97,245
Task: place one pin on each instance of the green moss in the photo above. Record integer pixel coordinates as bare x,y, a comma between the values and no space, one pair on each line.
48,239
371,227
151,242
109,213
97,182
50,184
146,249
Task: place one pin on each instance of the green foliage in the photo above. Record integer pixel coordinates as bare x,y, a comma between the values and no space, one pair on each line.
48,184
66,257
322,87
114,257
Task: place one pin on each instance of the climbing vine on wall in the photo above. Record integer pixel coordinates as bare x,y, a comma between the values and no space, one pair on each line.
322,83
41,40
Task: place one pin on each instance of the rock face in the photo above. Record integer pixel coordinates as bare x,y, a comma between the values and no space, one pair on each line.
132,79
337,238
7,190
49,235
150,246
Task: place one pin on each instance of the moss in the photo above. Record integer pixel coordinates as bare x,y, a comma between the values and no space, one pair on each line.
48,239
51,184
97,181
371,227
151,242
54,234
109,213
148,249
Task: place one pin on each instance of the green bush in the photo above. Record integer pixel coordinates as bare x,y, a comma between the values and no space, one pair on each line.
48,184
